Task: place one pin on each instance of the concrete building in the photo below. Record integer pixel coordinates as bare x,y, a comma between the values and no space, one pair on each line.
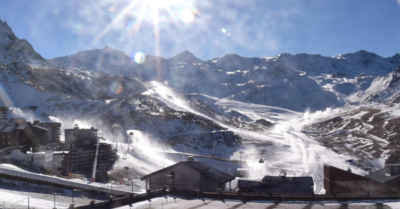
42,159
278,185
54,130
80,160
18,132
4,112
188,175
79,136
58,158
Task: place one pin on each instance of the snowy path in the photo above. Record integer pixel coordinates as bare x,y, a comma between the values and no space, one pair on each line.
284,148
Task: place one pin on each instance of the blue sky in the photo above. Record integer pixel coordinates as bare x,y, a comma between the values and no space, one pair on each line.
207,28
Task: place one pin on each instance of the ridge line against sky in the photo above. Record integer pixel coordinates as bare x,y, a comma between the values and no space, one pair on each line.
208,29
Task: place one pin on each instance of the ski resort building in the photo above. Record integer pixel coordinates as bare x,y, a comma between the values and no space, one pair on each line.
4,112
80,136
18,132
81,144
54,130
80,160
188,176
278,185
386,180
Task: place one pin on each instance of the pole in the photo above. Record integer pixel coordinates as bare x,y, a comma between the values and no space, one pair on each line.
54,200
28,202
132,186
111,191
95,158
72,196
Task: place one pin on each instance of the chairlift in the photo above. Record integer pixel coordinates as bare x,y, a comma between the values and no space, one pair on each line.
261,160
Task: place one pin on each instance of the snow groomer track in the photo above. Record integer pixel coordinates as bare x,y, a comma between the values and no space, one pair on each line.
9,173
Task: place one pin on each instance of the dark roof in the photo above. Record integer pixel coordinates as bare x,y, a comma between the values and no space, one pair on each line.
279,184
381,176
267,179
8,125
201,167
248,183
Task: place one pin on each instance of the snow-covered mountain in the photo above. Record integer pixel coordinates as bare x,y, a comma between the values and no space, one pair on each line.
13,49
384,89
106,60
297,82
254,105
37,89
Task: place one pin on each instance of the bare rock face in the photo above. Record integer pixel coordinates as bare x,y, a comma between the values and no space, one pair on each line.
6,34
24,49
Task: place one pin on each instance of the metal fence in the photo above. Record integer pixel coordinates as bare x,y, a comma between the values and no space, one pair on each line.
63,182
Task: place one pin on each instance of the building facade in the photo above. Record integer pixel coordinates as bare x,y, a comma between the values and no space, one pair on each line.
383,181
80,136
54,130
188,176
18,132
278,185
81,159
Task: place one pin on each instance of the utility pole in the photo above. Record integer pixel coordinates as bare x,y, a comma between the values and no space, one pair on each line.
96,156
54,201
241,152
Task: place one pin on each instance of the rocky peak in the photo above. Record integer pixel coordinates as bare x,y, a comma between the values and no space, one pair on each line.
6,34
185,56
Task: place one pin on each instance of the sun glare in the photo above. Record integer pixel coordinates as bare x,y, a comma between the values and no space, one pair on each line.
155,12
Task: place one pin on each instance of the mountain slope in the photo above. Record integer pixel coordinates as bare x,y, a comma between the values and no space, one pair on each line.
297,82
384,89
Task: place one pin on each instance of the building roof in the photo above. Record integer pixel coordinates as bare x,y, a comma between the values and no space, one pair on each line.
279,184
40,127
201,167
381,176
268,179
8,125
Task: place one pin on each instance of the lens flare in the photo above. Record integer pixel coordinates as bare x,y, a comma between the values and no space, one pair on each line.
5,99
139,57
187,16
116,88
